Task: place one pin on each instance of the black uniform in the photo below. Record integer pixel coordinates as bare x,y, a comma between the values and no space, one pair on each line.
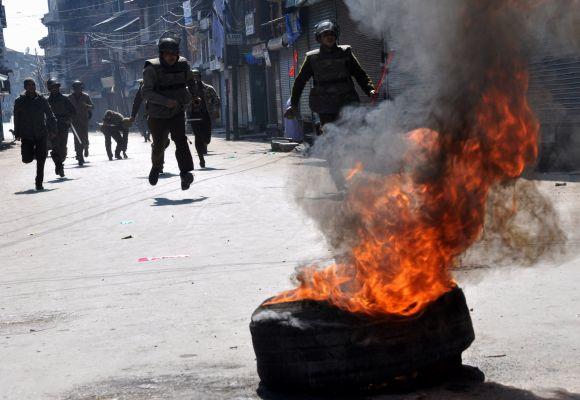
162,83
331,70
113,127
33,123
64,111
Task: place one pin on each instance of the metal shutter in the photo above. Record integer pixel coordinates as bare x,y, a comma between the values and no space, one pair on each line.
311,15
368,50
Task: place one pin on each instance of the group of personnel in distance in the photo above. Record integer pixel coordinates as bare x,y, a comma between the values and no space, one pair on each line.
170,91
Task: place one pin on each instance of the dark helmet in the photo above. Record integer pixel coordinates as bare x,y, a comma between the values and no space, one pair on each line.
168,44
77,83
326,26
196,72
52,82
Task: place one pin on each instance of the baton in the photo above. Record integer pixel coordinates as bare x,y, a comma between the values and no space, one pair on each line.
193,119
383,76
76,134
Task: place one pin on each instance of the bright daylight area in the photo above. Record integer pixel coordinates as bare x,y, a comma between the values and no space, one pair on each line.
290,199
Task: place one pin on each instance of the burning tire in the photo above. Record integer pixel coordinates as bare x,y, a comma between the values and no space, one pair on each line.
313,345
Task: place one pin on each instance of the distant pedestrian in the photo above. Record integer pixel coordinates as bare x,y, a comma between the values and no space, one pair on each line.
34,123
205,106
165,81
115,126
84,108
63,111
140,110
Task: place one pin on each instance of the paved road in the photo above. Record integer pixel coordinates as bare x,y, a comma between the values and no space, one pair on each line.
82,318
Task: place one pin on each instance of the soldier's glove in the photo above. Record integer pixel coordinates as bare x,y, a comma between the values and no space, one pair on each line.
290,113
372,94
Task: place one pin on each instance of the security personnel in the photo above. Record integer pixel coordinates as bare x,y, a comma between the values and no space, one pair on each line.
165,81
204,107
63,111
332,68
34,122
115,126
84,108
138,108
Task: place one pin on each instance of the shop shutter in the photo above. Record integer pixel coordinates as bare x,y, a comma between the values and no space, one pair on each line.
368,50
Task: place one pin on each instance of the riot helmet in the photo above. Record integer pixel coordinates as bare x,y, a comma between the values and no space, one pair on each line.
77,83
196,72
326,26
168,44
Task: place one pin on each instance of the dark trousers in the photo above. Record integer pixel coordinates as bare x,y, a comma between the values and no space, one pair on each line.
82,130
125,142
334,165
202,131
58,144
160,129
116,135
35,149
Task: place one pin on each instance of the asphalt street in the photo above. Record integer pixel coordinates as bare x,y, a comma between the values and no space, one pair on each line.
113,289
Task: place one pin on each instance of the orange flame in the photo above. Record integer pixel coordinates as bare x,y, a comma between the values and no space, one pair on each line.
417,222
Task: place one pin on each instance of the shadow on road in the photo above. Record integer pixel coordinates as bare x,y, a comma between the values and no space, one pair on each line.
210,169
59,180
162,201
452,389
34,191
165,175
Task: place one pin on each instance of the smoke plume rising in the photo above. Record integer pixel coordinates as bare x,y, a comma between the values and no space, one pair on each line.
435,170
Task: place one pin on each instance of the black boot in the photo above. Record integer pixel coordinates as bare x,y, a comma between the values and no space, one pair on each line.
125,155
153,176
201,160
86,151
38,184
60,170
186,180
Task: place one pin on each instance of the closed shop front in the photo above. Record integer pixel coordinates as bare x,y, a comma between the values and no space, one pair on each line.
368,50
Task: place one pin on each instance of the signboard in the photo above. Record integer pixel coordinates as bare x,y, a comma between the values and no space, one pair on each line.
234,39
250,30
187,18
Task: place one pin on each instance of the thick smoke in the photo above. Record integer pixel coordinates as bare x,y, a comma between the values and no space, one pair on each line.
448,47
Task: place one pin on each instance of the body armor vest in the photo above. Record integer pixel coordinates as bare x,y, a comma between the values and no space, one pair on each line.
332,84
170,79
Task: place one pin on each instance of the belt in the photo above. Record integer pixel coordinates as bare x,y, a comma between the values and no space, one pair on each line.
331,82
171,87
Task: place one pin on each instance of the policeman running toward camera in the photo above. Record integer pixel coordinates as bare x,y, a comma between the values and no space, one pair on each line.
331,68
64,111
165,81
34,123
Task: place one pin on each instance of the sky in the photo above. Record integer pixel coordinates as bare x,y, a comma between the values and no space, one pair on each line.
24,26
